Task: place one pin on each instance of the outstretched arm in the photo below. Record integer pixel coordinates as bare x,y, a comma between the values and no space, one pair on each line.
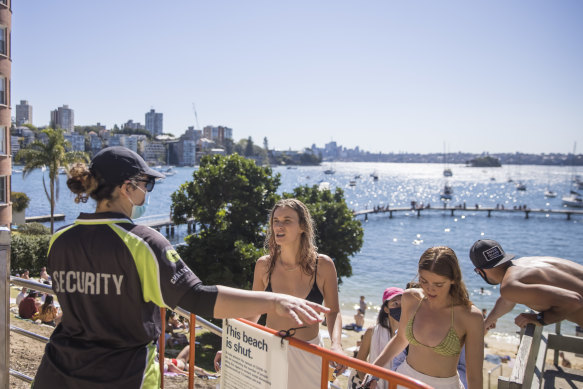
501,308
233,302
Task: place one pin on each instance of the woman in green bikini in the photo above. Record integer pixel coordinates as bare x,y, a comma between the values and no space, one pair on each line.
437,320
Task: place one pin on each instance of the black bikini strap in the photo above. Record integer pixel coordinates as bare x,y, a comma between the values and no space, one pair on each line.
316,270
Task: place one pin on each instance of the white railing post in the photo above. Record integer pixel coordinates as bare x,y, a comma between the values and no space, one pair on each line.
4,306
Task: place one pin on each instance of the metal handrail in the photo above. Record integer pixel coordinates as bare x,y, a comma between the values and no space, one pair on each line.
32,284
21,376
30,334
492,370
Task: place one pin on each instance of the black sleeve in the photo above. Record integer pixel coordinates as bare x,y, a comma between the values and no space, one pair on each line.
200,300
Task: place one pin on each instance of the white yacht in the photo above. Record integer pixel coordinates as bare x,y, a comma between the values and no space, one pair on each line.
573,200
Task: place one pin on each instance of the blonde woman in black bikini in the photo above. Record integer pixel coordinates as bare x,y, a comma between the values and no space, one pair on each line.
294,267
437,319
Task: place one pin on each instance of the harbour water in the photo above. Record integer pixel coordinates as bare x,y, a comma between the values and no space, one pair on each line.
392,247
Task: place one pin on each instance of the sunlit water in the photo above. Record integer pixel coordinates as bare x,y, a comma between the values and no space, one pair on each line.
392,247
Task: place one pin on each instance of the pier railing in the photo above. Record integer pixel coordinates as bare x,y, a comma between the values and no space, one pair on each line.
452,211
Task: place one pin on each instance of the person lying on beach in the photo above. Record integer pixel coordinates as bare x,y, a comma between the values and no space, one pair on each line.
179,365
437,320
551,286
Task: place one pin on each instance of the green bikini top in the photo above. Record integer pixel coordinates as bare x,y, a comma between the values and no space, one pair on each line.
449,346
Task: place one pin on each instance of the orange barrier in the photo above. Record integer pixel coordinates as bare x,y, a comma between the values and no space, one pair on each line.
191,350
393,378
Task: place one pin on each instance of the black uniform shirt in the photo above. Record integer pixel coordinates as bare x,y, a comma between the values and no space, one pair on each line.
110,276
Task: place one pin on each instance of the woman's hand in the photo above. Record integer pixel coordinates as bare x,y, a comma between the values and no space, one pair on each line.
489,324
369,382
338,368
218,357
300,310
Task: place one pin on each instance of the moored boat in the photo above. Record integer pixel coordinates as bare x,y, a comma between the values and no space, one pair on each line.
573,200
550,194
447,192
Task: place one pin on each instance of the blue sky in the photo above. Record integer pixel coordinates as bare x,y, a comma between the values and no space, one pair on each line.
390,76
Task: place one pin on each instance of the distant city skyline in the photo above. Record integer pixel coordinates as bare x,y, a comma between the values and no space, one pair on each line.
386,76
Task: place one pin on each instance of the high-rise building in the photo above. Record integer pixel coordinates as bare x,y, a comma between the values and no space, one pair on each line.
218,133
63,117
130,125
154,122
5,115
23,113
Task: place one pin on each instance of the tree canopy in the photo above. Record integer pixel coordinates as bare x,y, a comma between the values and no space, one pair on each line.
49,153
230,198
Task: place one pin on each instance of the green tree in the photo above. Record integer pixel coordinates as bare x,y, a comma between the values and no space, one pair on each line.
29,246
338,234
19,200
229,197
229,146
249,149
51,154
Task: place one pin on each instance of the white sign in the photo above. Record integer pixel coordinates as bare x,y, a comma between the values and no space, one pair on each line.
252,359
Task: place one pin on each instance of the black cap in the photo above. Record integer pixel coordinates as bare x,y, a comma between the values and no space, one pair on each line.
487,253
116,164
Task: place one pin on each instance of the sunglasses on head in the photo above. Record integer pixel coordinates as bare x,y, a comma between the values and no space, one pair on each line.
150,182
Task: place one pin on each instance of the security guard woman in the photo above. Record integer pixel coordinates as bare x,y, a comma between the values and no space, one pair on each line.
111,276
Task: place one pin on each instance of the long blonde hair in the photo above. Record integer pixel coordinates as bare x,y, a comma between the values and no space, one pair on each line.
442,260
308,250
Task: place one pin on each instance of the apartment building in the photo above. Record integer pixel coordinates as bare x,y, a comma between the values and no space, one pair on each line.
63,117
23,113
5,112
154,122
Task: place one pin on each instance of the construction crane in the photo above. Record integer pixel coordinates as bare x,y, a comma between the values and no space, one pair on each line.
195,116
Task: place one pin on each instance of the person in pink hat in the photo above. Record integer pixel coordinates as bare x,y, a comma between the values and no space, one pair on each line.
376,337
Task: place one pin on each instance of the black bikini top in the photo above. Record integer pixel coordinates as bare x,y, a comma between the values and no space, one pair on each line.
314,296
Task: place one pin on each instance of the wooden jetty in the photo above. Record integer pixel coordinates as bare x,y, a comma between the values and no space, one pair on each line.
452,211
45,218
155,221
158,222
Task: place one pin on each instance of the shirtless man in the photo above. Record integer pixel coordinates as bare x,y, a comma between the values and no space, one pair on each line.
551,286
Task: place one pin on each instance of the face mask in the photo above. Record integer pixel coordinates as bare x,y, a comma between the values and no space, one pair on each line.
485,278
395,313
139,210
